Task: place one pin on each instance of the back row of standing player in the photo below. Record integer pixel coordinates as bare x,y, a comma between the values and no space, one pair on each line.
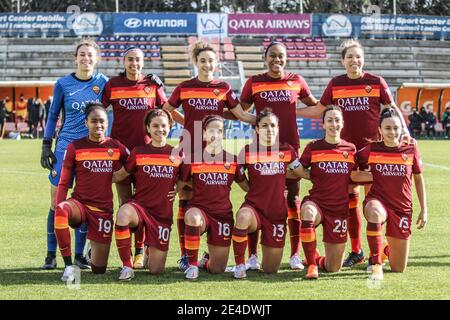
359,94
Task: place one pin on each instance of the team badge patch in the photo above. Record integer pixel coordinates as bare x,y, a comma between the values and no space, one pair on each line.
54,173
281,155
172,159
368,89
290,83
147,90
404,156
110,152
96,89
345,154
216,92
227,166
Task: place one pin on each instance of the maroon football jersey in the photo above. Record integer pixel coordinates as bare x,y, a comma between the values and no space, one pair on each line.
267,169
281,95
212,179
131,100
156,171
330,169
392,169
360,101
93,165
199,99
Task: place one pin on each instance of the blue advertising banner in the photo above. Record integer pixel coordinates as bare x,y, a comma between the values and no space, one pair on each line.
155,23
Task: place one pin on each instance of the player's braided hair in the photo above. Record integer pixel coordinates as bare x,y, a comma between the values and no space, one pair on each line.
350,43
157,113
198,47
267,112
330,108
91,106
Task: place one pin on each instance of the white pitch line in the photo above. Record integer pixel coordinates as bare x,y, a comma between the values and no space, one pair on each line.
437,166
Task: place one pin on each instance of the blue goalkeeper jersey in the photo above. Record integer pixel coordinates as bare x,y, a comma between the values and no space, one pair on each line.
70,96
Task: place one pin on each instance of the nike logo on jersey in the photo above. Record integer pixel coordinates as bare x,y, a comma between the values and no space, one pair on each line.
72,93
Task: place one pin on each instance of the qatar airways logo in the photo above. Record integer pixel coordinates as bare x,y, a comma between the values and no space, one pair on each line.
204,104
276,96
396,170
354,104
81,106
134,103
270,168
98,166
214,178
334,167
155,171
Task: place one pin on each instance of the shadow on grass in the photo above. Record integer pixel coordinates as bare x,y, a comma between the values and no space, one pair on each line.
33,276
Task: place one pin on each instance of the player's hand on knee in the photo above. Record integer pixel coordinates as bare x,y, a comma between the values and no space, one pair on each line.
48,158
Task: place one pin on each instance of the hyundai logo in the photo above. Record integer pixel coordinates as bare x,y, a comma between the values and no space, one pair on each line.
132,23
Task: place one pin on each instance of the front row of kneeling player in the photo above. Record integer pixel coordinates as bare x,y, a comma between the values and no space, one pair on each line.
97,161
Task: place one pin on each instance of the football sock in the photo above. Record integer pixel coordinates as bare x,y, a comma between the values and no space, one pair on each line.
354,223
375,239
294,230
182,204
80,239
62,232
309,243
240,239
192,243
52,244
253,243
123,243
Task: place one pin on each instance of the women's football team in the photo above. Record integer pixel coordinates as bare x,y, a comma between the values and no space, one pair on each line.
357,106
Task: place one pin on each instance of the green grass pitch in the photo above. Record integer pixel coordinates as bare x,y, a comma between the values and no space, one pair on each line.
24,201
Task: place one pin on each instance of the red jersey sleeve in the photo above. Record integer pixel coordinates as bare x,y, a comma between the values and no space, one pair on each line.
305,159
417,167
327,96
106,95
247,94
130,165
160,97
385,93
232,101
175,99
185,172
362,158
66,174
304,88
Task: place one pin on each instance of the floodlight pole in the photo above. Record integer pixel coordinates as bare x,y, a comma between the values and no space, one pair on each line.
117,6
395,7
207,6
18,6
301,6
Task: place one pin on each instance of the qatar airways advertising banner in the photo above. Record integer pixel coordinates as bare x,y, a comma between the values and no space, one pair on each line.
269,24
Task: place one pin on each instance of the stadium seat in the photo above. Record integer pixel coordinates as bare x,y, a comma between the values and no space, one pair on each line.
122,40
228,47
439,129
9,127
142,40
101,39
112,39
22,127
154,48
154,40
155,56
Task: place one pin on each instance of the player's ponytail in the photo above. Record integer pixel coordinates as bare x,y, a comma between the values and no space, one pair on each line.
91,106
267,112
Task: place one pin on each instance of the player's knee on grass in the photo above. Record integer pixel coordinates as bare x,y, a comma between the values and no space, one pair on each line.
156,269
98,270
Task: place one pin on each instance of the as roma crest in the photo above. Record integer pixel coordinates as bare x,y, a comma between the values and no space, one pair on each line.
404,156
216,92
227,165
368,89
172,159
110,152
147,90
96,89
281,155
290,83
345,154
